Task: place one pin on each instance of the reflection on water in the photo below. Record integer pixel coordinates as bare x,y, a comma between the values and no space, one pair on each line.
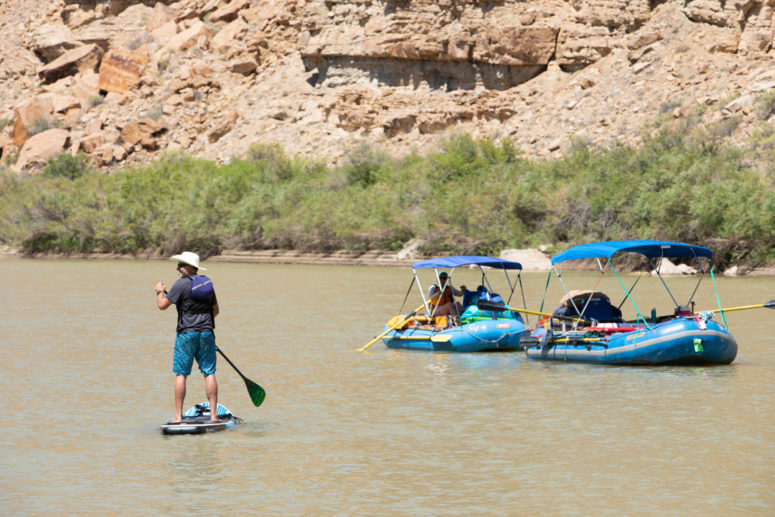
87,376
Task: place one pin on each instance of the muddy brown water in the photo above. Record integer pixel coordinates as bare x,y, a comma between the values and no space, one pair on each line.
86,382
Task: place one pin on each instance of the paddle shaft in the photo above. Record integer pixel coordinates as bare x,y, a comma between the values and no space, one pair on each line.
492,306
576,340
256,392
768,305
398,325
232,364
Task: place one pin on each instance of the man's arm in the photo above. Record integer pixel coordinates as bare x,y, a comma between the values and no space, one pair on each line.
458,292
161,297
162,302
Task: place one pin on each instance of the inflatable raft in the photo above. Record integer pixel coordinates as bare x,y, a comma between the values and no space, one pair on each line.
468,329
586,327
692,340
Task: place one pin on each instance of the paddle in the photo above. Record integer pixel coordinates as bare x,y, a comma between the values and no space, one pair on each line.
768,305
487,305
256,392
396,326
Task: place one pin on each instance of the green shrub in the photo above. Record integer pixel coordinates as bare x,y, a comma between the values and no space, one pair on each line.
39,125
95,100
68,166
474,196
363,165
765,105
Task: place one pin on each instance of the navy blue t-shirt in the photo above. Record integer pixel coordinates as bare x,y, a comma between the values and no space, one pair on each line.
192,316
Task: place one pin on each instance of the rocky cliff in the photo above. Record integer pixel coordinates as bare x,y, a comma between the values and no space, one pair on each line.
124,81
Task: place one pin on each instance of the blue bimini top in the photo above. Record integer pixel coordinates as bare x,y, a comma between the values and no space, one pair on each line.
467,260
651,249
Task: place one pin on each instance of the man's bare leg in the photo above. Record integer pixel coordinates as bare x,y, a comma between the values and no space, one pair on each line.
180,395
211,390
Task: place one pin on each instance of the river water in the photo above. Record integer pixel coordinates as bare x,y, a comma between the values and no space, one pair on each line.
87,380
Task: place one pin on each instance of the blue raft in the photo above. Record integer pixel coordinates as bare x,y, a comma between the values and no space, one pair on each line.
587,328
682,341
475,330
501,333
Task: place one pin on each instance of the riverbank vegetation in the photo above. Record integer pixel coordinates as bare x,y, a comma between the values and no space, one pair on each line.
474,197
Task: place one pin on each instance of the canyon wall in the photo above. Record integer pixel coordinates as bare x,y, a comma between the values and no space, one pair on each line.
125,81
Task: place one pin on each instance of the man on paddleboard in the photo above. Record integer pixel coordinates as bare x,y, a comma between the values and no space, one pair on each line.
194,298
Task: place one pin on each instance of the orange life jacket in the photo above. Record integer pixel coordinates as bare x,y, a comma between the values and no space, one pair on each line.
446,295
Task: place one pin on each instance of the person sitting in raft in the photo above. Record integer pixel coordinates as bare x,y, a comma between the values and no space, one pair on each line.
446,305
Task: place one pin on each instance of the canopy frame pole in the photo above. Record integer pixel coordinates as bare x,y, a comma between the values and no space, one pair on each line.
441,287
422,292
546,287
508,281
484,277
513,288
637,310
524,302
414,277
718,300
628,291
651,261
567,292
592,294
699,280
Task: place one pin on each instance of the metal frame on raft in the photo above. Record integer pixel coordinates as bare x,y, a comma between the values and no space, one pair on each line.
452,263
587,327
437,334
652,250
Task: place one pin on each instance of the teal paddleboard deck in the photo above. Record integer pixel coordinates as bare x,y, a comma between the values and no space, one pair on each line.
197,421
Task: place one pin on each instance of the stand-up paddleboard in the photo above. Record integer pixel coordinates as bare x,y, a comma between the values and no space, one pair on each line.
197,420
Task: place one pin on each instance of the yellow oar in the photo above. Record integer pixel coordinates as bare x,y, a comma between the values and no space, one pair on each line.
768,305
576,340
394,327
486,305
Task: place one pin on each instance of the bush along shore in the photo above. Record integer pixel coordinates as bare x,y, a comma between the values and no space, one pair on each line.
472,197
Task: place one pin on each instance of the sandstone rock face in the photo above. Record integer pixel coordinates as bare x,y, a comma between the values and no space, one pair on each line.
52,40
190,37
531,259
85,57
121,69
142,132
324,76
40,148
35,110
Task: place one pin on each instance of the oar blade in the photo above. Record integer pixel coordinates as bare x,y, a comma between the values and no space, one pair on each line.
256,392
769,305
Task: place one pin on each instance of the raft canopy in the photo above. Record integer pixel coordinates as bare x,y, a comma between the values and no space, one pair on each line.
650,249
467,260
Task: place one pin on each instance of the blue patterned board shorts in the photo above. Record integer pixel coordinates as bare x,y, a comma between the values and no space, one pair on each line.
194,345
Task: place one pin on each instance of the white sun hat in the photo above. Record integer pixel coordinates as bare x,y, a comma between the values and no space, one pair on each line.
192,259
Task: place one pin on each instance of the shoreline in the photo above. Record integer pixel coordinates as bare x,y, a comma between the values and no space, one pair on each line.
335,258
